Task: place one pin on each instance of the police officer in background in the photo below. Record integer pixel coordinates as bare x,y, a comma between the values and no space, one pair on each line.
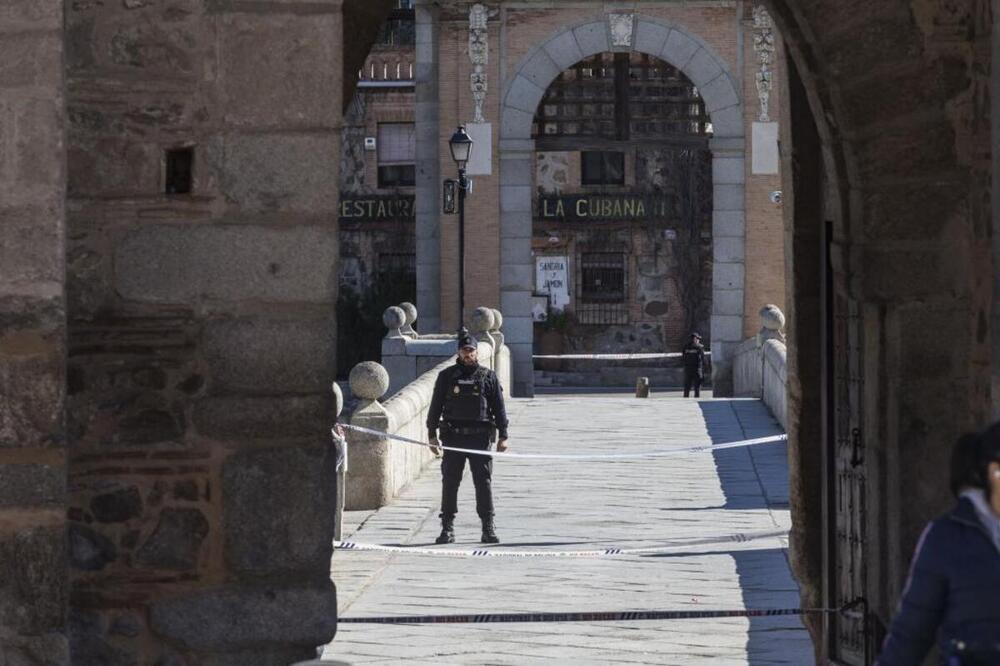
467,406
694,365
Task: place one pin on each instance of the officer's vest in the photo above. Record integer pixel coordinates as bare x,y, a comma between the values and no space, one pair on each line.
466,399
692,358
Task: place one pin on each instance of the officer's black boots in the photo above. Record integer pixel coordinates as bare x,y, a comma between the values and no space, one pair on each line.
489,532
447,530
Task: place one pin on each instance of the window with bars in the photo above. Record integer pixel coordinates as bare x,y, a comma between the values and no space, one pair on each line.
601,167
602,276
397,150
621,96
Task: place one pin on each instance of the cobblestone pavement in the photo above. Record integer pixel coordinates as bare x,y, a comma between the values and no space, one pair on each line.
582,505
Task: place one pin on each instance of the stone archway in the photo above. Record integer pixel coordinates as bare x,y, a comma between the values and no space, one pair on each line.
523,92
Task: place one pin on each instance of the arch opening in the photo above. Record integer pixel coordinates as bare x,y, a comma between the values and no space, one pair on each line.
525,92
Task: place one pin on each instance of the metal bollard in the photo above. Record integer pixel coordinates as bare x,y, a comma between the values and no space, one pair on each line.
642,387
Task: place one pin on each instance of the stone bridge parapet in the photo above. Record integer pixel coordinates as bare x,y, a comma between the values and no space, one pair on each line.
760,365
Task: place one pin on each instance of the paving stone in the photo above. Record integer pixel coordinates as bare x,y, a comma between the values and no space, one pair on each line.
631,503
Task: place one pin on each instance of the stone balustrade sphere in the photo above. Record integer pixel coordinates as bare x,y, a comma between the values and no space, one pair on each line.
369,380
482,320
497,320
393,318
772,318
338,398
410,310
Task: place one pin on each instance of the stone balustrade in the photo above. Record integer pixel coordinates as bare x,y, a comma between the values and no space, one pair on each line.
407,354
760,366
378,467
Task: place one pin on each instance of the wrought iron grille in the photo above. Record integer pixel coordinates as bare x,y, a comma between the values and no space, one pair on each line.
603,288
621,96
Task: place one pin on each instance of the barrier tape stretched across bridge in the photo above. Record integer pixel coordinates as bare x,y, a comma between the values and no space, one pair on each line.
670,546
578,456
585,616
610,357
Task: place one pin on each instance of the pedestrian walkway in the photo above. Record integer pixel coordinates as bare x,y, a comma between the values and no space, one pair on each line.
584,505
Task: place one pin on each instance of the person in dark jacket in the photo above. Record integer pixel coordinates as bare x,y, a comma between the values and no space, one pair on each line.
467,406
953,591
693,356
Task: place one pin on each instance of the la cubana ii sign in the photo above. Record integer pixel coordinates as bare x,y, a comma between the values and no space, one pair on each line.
603,207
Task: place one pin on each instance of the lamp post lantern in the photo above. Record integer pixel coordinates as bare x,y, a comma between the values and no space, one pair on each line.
461,148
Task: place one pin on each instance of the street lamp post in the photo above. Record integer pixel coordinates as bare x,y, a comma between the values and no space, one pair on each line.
461,148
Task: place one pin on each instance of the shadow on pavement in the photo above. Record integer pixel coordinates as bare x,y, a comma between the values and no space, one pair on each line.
758,479
766,582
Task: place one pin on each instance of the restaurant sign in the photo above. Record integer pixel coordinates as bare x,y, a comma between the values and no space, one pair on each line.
377,209
604,207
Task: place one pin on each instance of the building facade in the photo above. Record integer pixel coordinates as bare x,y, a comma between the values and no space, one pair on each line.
377,262
623,168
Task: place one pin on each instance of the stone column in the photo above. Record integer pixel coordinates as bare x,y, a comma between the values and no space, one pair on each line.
33,586
517,271
729,269
202,329
428,189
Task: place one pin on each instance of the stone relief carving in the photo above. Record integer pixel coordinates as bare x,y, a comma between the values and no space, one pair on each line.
479,54
763,45
621,26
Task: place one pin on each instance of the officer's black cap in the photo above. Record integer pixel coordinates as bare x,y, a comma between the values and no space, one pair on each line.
466,339
695,335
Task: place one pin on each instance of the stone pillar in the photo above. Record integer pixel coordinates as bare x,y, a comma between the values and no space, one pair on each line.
517,271
201,328
33,586
428,188
729,267
370,476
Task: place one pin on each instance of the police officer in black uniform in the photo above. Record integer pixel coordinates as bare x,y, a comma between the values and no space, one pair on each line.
694,365
467,405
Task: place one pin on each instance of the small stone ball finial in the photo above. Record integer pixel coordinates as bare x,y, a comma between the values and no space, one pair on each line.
497,320
482,320
772,318
369,380
393,318
410,310
338,399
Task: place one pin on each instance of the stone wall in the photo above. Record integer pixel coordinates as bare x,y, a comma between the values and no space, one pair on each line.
775,380
201,336
905,201
760,368
33,586
748,369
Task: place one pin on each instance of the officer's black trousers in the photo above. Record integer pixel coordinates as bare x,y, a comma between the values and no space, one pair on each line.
692,380
452,467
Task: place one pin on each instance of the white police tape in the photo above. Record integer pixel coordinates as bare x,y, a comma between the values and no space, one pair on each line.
667,547
609,357
578,456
